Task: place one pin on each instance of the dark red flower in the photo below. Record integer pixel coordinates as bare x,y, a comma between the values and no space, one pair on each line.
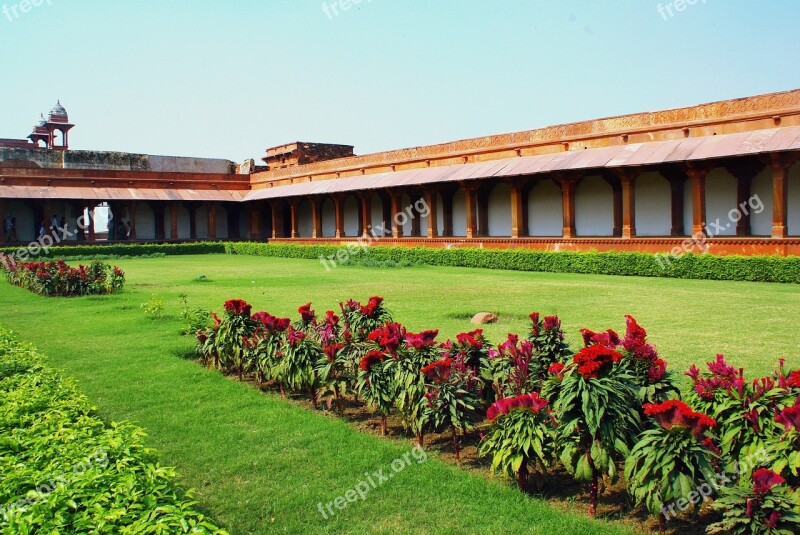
635,335
439,371
423,340
709,443
217,321
295,336
793,381
370,359
331,318
772,521
332,350
237,307
201,337
676,413
764,480
556,369
472,339
596,360
306,313
609,339
790,417
658,369
551,322
389,336
532,402
371,306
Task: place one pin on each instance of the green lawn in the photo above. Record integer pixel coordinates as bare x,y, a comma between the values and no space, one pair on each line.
261,465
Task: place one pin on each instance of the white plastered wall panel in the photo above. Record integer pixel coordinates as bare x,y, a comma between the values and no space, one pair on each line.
459,213
594,207
653,205
760,204
500,211
721,203
545,210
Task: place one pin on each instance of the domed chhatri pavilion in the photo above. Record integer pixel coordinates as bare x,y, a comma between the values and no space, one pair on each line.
721,177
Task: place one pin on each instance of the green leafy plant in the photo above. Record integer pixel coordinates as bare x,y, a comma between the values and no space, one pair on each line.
376,385
232,338
667,462
153,307
521,437
296,370
195,319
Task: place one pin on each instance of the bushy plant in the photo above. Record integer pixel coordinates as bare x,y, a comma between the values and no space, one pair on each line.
521,437
232,336
57,279
376,384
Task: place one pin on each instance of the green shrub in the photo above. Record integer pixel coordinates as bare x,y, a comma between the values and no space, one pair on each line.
688,266
65,471
117,250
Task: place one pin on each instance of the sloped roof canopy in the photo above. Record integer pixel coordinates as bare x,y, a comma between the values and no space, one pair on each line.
633,155
118,194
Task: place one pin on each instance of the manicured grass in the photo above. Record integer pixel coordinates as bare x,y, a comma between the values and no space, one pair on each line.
261,465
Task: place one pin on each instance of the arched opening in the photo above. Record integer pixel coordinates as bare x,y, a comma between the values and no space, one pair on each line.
328,211
459,213
653,205
350,207
720,203
594,207
499,211
545,209
305,219
145,221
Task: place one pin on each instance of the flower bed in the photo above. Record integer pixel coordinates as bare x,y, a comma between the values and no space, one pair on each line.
64,471
59,279
610,408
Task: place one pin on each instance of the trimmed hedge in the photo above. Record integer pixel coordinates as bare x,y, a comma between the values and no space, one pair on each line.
688,266
117,250
64,471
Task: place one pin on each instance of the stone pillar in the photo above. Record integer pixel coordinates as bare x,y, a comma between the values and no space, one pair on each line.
744,185
89,231
698,180
397,228
518,229
780,202
276,209
212,220
293,209
255,222
471,206
568,207
132,216
338,204
628,193
173,214
316,217
433,216
366,213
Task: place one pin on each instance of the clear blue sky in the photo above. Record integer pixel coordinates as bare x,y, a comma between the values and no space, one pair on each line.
228,79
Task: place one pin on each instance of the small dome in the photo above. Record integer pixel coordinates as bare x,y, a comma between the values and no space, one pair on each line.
58,113
40,122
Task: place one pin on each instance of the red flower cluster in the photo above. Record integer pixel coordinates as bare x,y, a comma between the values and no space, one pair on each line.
532,402
270,323
423,340
676,413
371,307
332,350
389,337
658,369
370,359
790,417
793,381
722,377
609,339
473,339
439,371
294,336
306,313
556,369
764,480
596,360
237,307
551,322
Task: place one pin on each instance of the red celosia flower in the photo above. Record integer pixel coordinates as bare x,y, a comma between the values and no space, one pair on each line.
536,325
389,336
532,402
295,336
596,360
423,340
331,318
439,371
635,335
332,350
306,313
609,339
556,369
772,521
793,381
370,359
709,443
237,307
473,339
658,369
216,319
790,417
676,413
551,322
764,480
371,306
201,337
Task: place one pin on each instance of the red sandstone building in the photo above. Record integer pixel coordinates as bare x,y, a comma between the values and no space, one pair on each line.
643,182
